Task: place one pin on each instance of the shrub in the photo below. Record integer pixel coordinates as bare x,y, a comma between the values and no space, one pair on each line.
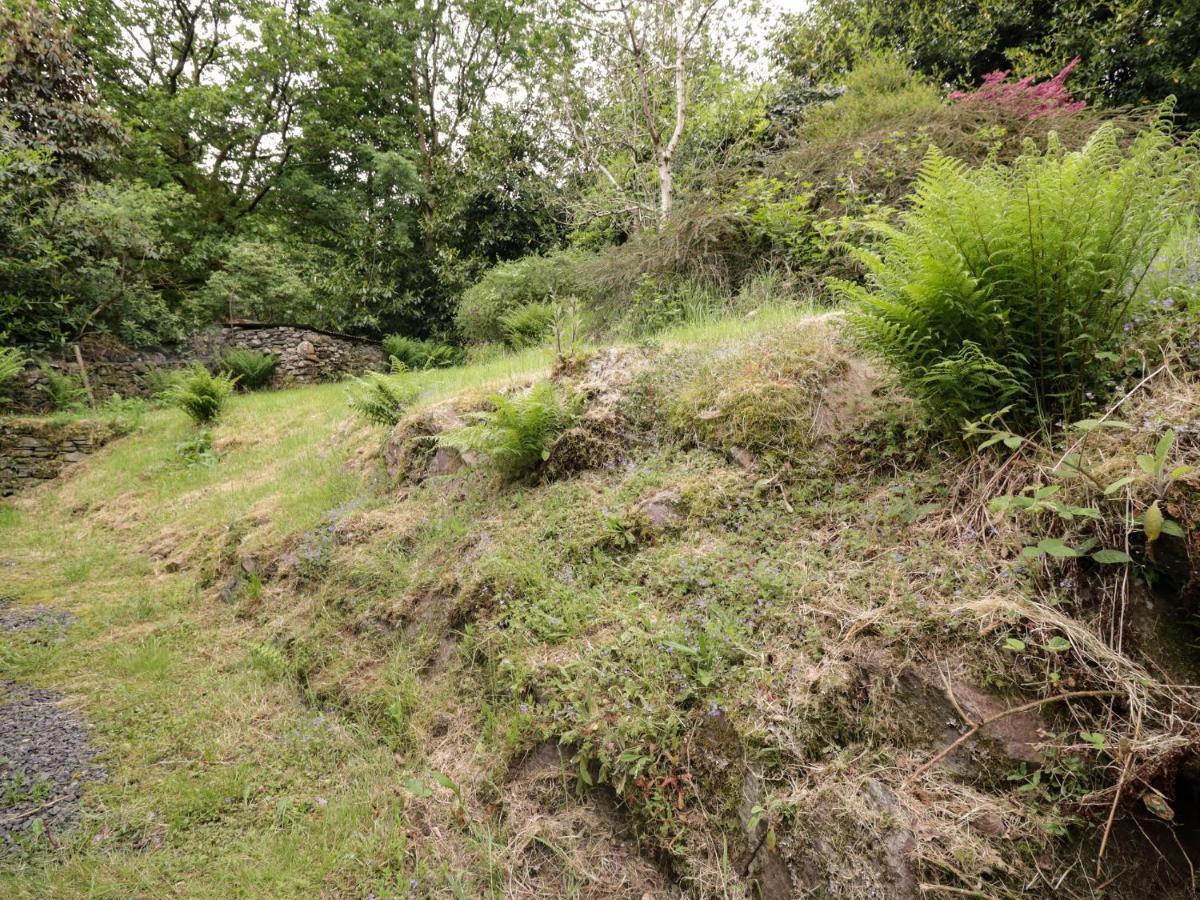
512,285
200,394
1010,286
379,400
528,326
879,89
1027,98
517,432
64,390
249,368
419,354
12,361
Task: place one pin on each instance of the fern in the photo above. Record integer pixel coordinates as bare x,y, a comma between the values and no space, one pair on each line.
379,400
200,394
414,353
64,390
1011,286
517,432
249,368
12,361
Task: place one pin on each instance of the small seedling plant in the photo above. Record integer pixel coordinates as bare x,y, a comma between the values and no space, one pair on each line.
1121,501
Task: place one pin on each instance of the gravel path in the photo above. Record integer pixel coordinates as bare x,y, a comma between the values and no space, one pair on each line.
45,755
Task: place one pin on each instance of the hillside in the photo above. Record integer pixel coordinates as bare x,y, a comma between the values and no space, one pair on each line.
716,648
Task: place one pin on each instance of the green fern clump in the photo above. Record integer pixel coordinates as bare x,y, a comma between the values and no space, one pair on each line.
378,399
200,394
1010,287
66,391
12,361
516,434
528,326
250,368
418,354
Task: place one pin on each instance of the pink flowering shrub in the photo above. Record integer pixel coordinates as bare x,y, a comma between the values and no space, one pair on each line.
1026,98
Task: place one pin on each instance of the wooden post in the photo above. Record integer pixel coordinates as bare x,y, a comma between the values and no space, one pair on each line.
87,385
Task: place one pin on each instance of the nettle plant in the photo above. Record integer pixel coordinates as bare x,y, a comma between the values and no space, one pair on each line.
1011,286
1075,495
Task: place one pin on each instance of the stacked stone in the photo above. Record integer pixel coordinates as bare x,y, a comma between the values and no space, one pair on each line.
309,357
305,356
33,451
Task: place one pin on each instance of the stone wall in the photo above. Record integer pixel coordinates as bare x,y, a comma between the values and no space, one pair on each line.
35,450
306,356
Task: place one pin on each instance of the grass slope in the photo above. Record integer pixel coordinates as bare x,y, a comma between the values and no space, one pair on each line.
710,668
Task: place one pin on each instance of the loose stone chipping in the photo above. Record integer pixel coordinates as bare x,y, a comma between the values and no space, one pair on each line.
23,618
46,759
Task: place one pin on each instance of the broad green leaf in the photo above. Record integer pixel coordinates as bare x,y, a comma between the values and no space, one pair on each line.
1111,556
1147,463
1164,447
1173,528
1058,645
1014,645
1057,548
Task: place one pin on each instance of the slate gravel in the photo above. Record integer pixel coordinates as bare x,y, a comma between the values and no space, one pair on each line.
22,618
45,761
45,755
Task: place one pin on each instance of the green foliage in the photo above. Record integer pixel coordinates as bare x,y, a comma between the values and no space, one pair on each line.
197,450
1131,51
528,326
158,381
417,354
259,280
517,432
1010,287
379,399
511,286
659,304
64,390
48,90
249,368
200,394
880,88
12,362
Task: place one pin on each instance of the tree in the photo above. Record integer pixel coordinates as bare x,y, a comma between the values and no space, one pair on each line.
48,93
211,89
634,71
1131,51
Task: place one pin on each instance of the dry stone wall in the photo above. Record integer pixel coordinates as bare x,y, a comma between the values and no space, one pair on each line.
306,356
35,450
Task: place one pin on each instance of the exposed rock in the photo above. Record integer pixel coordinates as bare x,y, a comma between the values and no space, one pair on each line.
662,510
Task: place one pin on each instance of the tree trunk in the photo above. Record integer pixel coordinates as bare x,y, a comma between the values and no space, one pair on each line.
666,187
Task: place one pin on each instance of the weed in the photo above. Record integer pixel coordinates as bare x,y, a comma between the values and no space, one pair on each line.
416,354
64,390
12,362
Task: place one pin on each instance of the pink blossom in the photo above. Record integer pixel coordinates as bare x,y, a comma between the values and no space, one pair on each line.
1026,98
